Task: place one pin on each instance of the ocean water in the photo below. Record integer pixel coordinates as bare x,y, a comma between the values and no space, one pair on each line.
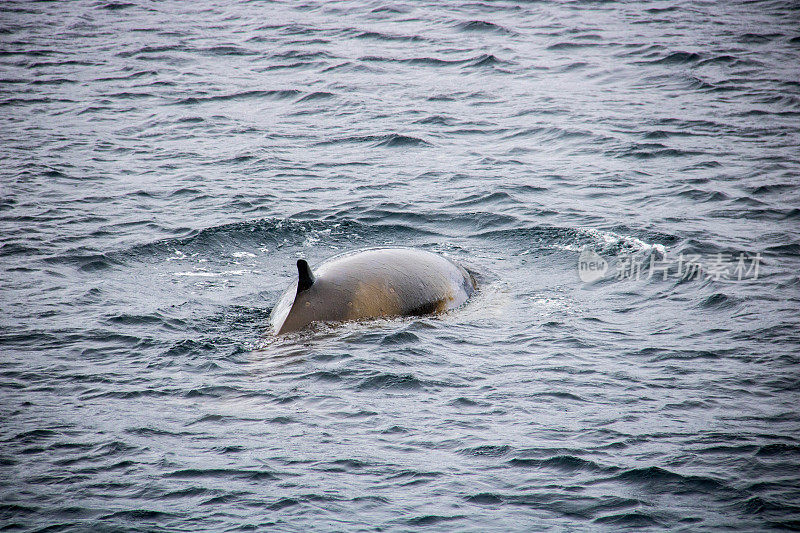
164,164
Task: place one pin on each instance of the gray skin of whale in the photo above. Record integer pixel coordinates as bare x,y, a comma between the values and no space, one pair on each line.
378,282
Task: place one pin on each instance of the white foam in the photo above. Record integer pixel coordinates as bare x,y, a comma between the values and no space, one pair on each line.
206,274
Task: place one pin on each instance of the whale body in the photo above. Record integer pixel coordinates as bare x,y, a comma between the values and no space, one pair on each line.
372,283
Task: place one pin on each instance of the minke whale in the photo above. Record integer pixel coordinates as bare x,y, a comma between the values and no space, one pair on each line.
371,283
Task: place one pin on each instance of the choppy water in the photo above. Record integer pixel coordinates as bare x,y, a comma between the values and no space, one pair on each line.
164,164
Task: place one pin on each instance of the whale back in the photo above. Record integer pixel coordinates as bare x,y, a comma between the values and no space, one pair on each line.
380,282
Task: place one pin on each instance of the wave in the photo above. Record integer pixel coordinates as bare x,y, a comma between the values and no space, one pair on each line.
389,37
482,26
116,6
661,480
317,95
244,95
566,463
392,140
365,225
676,58
574,506
225,473
476,61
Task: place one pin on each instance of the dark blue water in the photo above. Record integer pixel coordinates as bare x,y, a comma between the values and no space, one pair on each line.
164,164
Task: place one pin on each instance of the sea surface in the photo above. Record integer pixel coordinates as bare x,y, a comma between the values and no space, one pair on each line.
164,164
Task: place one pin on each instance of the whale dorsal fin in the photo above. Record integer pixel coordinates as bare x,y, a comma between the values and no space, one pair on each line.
305,277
